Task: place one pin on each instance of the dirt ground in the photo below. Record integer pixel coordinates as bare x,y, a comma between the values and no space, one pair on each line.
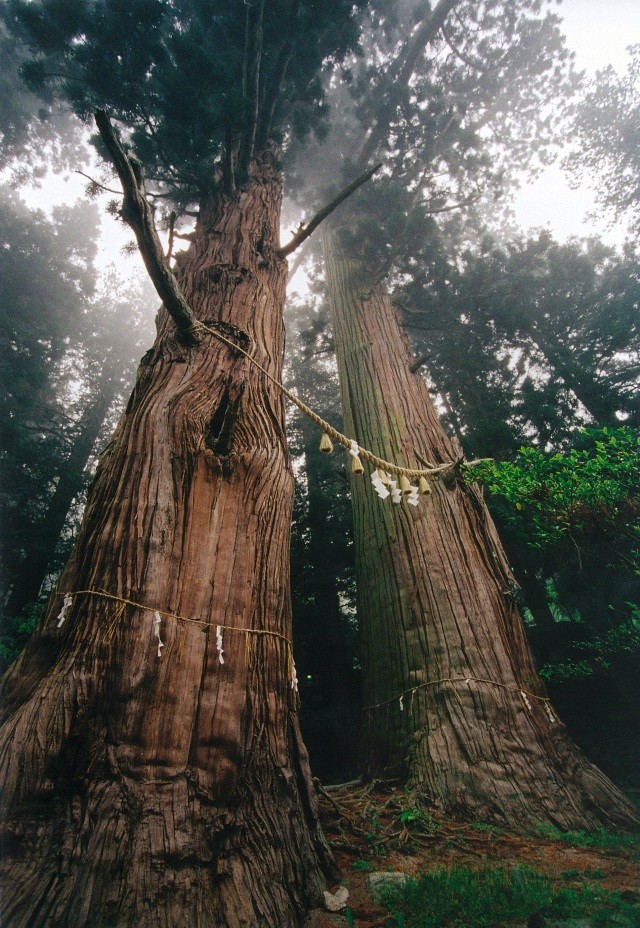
378,830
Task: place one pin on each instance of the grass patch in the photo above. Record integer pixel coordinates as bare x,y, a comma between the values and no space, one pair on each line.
495,896
600,838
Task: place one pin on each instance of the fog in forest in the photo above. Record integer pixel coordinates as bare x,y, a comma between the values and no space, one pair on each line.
440,425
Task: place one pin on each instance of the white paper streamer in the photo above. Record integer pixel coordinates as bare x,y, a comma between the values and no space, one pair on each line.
379,486
550,714
354,450
66,606
219,643
401,704
526,701
396,495
412,497
156,631
294,677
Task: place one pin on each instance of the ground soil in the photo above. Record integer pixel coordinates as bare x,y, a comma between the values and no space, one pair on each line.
364,827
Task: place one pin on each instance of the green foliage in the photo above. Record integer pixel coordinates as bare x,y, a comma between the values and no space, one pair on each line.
177,74
493,897
593,656
601,838
606,129
523,338
36,133
579,509
364,866
412,816
558,501
15,631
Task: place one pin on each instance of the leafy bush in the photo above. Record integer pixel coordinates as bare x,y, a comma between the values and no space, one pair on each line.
16,631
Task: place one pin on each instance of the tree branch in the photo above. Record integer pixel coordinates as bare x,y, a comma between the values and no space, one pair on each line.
251,79
272,92
305,231
137,212
402,69
94,183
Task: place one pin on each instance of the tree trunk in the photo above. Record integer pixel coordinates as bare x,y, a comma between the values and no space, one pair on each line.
444,655
41,541
174,791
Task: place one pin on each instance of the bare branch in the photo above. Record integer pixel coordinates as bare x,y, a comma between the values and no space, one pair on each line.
305,231
96,184
137,212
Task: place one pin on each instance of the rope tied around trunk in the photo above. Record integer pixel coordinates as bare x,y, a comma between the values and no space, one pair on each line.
123,602
430,470
525,694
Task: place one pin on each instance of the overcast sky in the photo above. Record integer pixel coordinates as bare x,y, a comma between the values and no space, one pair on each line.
598,31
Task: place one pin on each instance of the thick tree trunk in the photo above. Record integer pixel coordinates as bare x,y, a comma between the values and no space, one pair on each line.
444,654
174,791
43,536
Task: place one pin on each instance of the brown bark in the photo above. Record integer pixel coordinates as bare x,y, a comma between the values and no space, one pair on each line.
435,609
173,791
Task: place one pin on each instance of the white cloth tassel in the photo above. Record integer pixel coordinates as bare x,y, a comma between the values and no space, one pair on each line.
526,701
379,486
294,677
354,450
219,643
66,606
156,631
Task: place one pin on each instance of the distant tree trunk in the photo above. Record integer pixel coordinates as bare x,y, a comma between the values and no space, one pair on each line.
42,538
174,791
439,626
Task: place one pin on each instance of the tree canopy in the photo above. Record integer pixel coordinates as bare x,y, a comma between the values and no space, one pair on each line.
199,86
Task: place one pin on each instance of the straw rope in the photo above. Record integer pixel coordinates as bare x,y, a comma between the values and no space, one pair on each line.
172,615
524,693
430,470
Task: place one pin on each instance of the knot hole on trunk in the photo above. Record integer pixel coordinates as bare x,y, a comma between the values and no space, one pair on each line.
218,436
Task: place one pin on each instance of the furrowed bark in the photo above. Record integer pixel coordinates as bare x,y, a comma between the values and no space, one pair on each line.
171,791
435,606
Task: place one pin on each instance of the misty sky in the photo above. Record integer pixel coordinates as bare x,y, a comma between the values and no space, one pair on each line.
598,31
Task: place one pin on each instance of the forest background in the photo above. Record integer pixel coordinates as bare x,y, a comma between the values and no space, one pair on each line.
529,346
539,373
